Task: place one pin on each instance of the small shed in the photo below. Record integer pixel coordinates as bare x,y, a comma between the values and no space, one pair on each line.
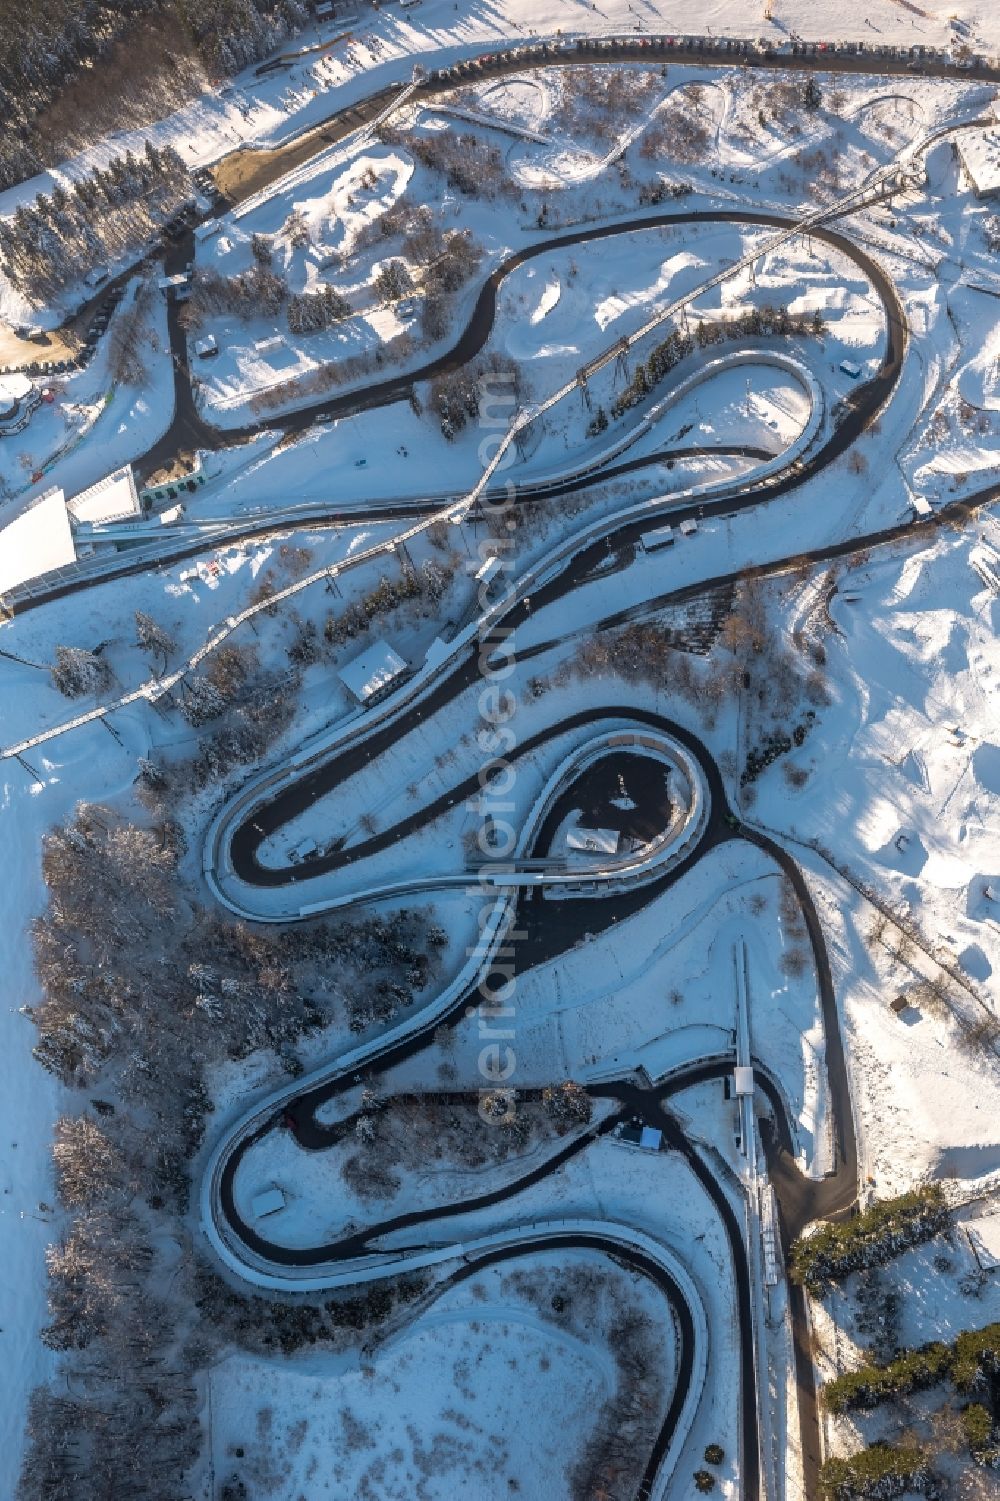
743,1081
661,536
269,1202
372,675
688,527
593,841
898,1004
650,1139
207,347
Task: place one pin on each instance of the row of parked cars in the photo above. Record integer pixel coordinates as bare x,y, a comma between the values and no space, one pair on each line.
172,230
189,214
913,57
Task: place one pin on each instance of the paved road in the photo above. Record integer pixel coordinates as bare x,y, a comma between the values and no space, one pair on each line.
639,1262
189,430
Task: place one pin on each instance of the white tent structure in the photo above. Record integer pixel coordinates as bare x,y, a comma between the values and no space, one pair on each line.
37,541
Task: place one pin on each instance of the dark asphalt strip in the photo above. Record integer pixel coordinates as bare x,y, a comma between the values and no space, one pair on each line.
312,786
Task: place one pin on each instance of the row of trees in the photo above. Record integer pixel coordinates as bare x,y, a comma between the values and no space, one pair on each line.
458,397
887,1228
251,706
680,131
232,34
881,1473
766,321
254,293
594,100
470,165
970,1363
112,211
627,1423
130,338
427,582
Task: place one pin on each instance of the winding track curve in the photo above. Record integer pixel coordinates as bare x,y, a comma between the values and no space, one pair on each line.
800,1199
841,1190
870,400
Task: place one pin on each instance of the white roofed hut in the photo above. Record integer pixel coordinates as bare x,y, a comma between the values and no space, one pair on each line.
373,674
593,841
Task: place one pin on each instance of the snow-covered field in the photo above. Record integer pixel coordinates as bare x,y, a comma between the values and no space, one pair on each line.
93,424
908,752
495,1386
449,1404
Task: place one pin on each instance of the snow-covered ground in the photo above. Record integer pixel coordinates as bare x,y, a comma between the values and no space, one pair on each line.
93,424
265,110
487,1392
898,780
557,309
32,1099
904,786
323,1202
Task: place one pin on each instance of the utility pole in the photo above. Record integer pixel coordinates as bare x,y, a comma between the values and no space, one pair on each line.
33,774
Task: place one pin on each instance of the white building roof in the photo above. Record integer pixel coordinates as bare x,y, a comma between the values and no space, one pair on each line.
373,671
658,536
207,345
36,541
744,1080
593,841
13,388
650,1138
268,1202
111,499
980,154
